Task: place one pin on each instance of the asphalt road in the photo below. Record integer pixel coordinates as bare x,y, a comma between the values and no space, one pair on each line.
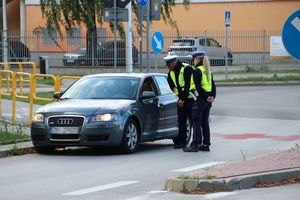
241,118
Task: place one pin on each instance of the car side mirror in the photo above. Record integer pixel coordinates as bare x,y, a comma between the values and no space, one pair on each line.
148,95
57,95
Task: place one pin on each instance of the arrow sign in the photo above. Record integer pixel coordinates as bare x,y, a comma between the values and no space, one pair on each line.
142,3
291,35
157,42
296,23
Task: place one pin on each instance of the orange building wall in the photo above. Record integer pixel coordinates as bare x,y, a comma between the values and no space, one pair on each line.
34,18
269,15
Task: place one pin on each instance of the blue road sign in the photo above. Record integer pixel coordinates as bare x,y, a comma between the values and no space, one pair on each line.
227,18
157,42
291,35
142,3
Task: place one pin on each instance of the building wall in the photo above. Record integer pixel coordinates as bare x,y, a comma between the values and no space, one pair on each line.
201,15
252,15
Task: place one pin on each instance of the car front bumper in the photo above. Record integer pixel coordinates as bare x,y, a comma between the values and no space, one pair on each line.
94,134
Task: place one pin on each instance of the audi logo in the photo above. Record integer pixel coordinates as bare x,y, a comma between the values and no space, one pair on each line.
65,121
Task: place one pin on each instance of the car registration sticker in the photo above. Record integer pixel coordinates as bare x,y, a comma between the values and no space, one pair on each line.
64,130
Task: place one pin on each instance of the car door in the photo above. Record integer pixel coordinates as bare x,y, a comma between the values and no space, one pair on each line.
215,51
167,108
150,109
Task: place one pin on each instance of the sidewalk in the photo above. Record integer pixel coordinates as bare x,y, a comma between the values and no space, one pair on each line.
246,174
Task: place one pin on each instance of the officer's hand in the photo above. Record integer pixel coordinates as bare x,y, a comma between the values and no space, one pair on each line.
175,90
180,103
210,99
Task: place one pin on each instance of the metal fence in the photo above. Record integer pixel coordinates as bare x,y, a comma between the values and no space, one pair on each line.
246,47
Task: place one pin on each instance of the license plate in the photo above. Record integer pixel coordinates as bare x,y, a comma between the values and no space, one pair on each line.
64,130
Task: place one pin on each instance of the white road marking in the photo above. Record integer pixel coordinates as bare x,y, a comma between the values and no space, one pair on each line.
201,166
296,23
158,192
218,195
147,196
141,197
101,187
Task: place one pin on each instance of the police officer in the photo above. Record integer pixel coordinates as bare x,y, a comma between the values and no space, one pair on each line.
210,89
179,79
203,82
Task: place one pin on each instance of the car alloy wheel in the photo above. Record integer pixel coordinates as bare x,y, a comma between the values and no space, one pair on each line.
130,136
189,131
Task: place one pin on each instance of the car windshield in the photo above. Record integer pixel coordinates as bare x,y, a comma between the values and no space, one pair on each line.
183,43
103,88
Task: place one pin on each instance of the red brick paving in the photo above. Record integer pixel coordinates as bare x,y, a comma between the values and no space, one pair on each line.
244,136
272,162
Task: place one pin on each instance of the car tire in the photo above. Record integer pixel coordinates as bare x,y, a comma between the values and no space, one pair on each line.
131,137
189,133
44,150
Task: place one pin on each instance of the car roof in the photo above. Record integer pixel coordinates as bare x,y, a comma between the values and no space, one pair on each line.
134,75
192,38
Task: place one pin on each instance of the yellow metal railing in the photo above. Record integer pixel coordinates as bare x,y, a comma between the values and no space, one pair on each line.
60,80
8,91
8,65
12,78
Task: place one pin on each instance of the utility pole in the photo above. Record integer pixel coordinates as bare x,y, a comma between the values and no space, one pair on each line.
5,30
129,40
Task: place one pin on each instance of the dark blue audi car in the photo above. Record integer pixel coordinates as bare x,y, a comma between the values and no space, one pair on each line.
119,109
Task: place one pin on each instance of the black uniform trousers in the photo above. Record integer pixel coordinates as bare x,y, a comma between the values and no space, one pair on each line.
199,108
183,113
205,125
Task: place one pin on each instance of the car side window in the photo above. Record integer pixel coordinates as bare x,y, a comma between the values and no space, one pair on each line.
163,85
148,85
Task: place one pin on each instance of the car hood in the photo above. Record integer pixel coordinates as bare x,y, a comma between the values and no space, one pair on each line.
84,106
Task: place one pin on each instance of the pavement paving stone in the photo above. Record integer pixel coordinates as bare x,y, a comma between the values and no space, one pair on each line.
281,165
277,161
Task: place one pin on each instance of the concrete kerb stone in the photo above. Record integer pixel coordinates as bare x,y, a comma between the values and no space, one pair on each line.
229,184
5,150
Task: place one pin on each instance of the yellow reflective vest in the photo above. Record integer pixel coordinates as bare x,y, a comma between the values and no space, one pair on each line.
181,80
205,82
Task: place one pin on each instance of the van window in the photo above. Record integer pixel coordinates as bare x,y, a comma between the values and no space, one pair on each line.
183,43
213,43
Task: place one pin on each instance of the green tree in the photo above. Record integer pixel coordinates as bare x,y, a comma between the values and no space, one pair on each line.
70,13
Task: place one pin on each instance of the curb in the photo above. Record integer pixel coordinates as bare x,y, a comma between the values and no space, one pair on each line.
230,183
7,150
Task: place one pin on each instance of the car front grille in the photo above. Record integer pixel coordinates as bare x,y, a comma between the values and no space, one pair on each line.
65,128
68,121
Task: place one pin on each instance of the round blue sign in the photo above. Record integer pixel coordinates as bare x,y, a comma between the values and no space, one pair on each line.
142,3
158,42
291,35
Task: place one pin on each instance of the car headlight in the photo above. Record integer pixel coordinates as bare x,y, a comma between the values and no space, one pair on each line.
38,118
105,117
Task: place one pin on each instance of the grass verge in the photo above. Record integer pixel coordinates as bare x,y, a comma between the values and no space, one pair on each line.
38,102
10,134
